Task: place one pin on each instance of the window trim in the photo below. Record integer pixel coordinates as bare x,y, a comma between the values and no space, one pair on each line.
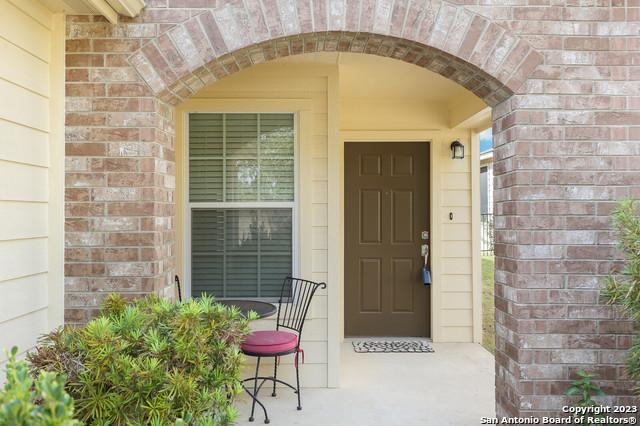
190,206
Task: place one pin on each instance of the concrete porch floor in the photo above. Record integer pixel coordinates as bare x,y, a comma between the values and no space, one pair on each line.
453,386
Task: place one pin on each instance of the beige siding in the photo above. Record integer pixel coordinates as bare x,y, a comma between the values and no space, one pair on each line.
301,89
27,38
456,252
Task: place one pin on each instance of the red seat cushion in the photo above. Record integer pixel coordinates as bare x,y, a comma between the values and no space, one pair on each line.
269,342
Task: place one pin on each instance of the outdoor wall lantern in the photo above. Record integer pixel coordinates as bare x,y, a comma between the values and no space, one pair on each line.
457,150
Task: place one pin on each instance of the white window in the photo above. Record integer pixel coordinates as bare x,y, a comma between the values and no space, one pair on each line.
241,202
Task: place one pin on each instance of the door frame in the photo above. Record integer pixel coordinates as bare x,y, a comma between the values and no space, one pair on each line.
430,212
439,141
427,136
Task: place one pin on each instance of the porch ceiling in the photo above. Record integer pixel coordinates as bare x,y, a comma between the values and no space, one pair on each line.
368,79
382,77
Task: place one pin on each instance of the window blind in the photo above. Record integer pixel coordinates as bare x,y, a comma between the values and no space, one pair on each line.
241,157
236,159
240,252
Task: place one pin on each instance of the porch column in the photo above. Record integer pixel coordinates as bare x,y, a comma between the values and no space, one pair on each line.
556,182
120,173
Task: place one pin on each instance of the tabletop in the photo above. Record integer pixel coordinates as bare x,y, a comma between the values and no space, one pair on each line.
263,309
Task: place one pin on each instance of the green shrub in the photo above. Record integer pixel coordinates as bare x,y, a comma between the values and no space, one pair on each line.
151,362
623,287
25,402
586,389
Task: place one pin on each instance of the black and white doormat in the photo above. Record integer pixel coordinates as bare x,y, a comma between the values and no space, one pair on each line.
388,346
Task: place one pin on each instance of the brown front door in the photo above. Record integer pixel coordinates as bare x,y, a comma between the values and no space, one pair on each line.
386,210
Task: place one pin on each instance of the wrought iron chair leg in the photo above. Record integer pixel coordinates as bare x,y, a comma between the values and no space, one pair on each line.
298,380
255,390
275,375
266,417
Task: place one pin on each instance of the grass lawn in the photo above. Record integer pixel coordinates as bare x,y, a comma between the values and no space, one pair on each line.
488,323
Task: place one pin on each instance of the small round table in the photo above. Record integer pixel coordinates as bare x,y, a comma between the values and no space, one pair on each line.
263,309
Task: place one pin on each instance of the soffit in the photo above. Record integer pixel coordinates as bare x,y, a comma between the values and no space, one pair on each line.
110,9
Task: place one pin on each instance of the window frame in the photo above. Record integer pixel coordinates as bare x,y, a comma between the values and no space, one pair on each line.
189,206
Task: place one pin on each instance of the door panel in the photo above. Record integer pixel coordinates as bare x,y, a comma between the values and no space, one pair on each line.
402,282
370,285
371,225
402,216
386,209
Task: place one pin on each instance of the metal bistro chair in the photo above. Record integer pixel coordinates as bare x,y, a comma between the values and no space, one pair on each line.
293,305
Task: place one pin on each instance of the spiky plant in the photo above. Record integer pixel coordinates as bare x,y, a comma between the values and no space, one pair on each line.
151,362
623,287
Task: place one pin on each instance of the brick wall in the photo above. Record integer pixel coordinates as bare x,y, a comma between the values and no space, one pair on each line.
563,78
120,171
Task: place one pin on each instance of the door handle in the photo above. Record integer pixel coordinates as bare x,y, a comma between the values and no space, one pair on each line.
424,250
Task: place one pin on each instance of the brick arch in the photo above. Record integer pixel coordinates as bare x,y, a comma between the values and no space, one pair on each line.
442,37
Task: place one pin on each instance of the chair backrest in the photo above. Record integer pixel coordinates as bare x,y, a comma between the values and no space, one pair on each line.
294,302
177,280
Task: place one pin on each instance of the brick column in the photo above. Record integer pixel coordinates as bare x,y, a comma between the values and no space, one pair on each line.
556,182
120,176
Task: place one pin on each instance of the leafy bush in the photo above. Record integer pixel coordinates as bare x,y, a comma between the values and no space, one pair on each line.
25,402
623,288
586,389
151,362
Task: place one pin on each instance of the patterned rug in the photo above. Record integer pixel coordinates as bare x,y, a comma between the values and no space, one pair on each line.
387,346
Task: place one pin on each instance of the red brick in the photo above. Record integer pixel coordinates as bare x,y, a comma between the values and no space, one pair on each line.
127,90
131,209
78,45
586,43
77,74
77,194
164,15
71,225
101,134
118,254
85,89
625,118
116,60
159,63
84,179
85,119
131,179
114,164
478,24
115,45
537,13
75,315
137,239
85,149
84,60
83,269
84,209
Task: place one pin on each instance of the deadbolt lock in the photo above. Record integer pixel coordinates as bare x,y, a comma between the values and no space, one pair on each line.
425,235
